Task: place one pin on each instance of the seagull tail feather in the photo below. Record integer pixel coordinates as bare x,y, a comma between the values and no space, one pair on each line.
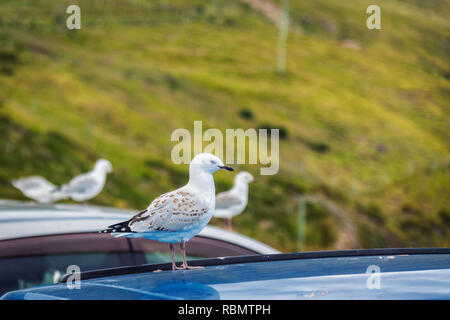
121,226
118,227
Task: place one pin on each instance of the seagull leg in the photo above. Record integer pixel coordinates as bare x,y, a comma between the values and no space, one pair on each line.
229,228
174,266
183,250
172,248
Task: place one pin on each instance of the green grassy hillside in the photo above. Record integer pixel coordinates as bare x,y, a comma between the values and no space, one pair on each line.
366,128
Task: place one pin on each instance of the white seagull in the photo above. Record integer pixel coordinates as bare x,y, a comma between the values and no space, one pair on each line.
88,185
232,202
39,189
179,215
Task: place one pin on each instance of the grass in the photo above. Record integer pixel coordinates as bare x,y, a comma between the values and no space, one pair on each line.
364,128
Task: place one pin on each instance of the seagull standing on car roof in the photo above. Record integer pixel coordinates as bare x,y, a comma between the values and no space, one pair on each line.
179,215
39,189
232,202
88,185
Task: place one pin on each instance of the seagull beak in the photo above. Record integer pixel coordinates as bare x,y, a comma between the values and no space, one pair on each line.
226,168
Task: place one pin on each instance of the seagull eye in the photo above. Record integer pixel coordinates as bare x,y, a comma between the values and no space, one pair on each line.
212,162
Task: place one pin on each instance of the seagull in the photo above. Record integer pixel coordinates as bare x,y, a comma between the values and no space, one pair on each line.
88,185
179,215
39,189
232,202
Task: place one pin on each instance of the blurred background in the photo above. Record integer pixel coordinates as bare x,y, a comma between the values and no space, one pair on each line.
363,114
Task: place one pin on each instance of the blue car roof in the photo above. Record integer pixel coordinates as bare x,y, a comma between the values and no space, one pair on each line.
399,274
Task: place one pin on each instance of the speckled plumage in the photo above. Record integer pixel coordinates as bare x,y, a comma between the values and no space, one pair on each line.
179,215
172,217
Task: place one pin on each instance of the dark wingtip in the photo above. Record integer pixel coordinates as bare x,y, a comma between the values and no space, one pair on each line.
117,228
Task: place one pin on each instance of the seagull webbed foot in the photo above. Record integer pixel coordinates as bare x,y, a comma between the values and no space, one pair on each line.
174,268
192,268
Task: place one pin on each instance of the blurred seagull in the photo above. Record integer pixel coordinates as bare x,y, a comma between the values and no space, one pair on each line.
179,215
39,189
232,202
88,185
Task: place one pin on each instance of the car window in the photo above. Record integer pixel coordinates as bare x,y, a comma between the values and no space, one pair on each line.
197,248
25,272
34,261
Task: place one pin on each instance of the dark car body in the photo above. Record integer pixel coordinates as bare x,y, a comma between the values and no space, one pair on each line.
38,243
348,274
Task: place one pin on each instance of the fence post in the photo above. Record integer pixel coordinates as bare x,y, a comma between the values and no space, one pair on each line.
283,34
301,219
